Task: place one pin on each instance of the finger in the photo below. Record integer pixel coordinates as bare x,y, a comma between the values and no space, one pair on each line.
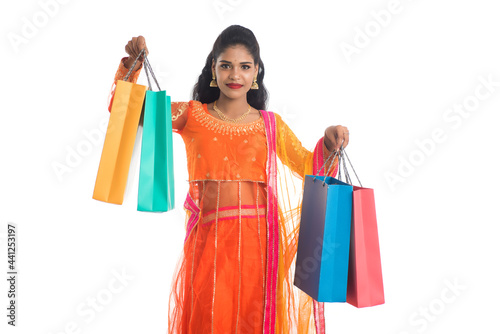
342,135
332,136
339,134
346,137
141,42
128,49
135,47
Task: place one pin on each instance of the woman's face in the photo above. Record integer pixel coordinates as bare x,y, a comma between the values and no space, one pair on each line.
235,71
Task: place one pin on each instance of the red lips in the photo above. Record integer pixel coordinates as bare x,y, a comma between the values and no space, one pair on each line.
234,85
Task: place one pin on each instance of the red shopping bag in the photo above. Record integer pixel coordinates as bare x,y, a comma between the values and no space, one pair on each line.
364,283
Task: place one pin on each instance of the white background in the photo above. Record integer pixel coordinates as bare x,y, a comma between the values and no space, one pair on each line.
438,217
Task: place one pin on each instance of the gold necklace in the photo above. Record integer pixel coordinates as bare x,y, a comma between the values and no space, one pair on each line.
227,119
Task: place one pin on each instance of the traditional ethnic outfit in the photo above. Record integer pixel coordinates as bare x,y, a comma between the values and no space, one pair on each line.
235,272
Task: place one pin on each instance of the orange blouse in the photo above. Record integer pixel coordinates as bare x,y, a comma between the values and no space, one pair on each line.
218,150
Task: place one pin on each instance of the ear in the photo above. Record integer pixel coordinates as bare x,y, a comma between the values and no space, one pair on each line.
213,65
256,70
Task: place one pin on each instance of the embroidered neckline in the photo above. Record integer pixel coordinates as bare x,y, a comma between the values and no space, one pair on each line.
205,109
202,115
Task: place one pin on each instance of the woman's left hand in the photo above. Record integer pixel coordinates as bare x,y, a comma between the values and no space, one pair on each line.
335,137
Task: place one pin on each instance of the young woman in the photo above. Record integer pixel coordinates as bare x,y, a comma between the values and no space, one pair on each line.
235,273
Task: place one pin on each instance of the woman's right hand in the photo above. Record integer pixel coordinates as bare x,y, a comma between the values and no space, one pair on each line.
133,48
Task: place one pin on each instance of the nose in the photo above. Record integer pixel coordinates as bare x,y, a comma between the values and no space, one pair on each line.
235,73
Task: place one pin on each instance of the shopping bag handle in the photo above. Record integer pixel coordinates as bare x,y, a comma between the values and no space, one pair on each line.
324,163
133,65
148,69
342,165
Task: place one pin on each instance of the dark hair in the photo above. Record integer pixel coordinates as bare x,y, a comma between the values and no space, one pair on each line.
231,36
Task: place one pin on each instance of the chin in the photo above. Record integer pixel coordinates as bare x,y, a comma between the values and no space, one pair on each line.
234,94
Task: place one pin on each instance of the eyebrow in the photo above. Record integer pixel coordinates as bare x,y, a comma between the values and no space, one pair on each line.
244,62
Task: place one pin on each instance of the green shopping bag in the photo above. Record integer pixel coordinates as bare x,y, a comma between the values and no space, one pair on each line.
156,175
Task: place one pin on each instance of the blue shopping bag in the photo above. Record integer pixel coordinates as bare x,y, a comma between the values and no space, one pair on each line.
324,237
156,175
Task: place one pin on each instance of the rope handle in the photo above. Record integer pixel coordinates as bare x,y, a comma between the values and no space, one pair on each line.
133,65
324,163
342,155
344,166
147,68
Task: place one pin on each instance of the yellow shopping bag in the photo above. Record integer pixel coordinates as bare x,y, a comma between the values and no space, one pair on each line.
119,143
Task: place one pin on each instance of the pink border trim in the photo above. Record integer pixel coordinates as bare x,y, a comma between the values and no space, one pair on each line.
247,206
272,226
229,218
191,206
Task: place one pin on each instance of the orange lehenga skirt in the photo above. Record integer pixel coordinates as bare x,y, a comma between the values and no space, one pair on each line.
220,281
220,278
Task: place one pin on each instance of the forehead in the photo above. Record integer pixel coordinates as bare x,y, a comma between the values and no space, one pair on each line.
236,54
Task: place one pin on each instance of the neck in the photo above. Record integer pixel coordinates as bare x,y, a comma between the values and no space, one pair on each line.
232,108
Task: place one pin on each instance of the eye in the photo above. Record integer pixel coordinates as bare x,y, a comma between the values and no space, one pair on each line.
225,66
246,67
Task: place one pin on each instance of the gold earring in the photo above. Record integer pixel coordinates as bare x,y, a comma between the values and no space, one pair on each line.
255,85
213,83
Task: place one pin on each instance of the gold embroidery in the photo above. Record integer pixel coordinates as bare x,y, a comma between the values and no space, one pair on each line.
225,128
180,110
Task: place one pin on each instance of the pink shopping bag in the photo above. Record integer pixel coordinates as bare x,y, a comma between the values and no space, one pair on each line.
364,284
